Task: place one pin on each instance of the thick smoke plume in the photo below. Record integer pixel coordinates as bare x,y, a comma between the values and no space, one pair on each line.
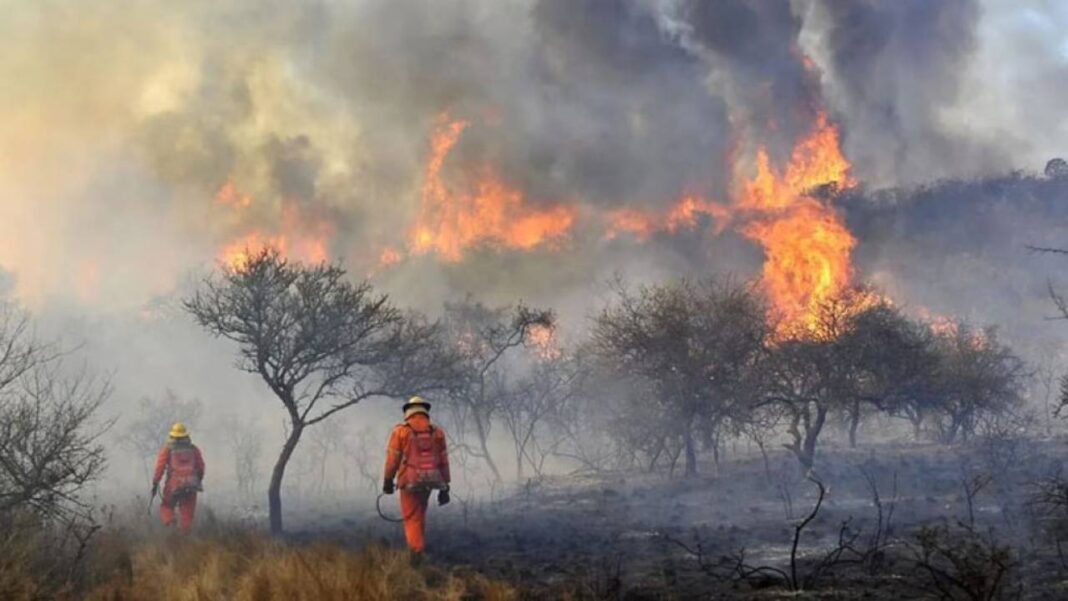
145,143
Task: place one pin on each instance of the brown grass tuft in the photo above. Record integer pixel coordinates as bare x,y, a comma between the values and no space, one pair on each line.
255,568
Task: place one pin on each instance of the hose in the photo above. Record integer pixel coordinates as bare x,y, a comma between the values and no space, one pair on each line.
378,507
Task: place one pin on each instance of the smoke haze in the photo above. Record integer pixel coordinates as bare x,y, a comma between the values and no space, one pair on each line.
142,140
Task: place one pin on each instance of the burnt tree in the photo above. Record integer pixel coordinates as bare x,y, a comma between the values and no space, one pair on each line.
895,368
484,339
49,440
693,345
320,342
820,374
979,378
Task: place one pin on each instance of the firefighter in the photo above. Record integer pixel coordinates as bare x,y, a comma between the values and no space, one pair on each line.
417,457
184,466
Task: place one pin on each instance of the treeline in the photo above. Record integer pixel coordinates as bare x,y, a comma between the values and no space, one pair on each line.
662,375
669,372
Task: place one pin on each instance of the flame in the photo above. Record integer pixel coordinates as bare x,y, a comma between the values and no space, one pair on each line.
236,254
228,195
296,235
390,257
684,215
543,340
494,213
950,330
808,248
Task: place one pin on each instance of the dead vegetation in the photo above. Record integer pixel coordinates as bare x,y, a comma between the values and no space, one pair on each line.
229,563
243,566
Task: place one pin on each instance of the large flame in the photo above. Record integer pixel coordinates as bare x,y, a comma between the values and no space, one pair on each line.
808,248
295,235
807,245
493,213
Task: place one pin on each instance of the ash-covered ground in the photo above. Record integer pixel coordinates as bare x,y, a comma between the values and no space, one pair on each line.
898,521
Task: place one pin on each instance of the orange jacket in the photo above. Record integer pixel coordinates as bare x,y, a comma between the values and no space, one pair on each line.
163,462
398,442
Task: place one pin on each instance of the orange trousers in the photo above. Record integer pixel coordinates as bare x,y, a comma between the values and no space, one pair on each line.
413,507
187,506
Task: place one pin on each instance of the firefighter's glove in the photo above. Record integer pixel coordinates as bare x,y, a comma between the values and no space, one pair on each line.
155,488
443,496
387,487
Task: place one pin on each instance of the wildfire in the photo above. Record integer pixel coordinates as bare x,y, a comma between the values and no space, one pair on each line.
543,340
228,195
950,330
450,222
685,214
808,248
807,245
390,257
295,235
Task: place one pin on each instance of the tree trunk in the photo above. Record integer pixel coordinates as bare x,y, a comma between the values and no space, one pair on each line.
691,453
854,424
767,463
518,464
274,491
917,424
484,445
812,434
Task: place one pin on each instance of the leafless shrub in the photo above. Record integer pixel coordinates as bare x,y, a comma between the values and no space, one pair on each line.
1049,501
688,350
973,484
245,443
483,338
964,564
800,574
49,453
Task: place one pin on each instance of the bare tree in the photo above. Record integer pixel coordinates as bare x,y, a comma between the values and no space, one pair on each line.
694,344
979,377
321,343
894,363
49,443
245,443
484,338
811,377
530,406
148,430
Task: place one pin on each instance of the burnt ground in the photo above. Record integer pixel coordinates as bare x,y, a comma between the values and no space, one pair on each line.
650,536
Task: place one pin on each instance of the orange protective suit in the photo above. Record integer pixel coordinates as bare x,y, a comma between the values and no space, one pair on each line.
413,501
170,461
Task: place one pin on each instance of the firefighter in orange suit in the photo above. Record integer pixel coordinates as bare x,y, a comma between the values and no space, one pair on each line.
417,458
183,464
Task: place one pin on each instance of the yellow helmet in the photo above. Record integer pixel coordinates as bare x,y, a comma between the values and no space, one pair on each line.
178,431
416,404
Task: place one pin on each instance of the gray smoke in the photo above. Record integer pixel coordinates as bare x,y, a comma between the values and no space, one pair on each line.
120,127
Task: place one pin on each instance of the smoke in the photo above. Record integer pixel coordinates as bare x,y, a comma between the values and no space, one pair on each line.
141,143
893,69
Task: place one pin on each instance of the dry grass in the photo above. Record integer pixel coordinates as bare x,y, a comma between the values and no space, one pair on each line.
248,567
221,562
